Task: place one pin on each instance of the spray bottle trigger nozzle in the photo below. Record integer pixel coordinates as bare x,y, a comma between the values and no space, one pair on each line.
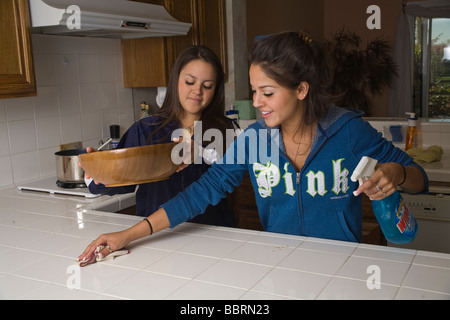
364,170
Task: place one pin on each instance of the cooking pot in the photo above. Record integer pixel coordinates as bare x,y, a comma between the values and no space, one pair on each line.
67,168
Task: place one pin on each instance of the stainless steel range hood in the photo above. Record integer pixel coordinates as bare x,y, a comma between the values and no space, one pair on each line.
104,19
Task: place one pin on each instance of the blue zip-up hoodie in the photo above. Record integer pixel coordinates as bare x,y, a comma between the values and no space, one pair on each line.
318,201
150,196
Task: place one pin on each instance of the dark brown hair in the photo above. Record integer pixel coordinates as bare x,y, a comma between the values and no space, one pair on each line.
290,59
213,116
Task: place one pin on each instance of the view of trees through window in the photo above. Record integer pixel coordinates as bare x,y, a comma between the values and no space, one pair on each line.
432,68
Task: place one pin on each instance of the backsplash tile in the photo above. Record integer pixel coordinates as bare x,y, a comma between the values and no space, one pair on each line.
4,140
45,131
25,166
66,69
2,111
429,133
44,65
5,171
80,94
46,102
19,109
22,136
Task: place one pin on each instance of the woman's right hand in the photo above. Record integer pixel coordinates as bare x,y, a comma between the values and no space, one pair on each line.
86,176
188,147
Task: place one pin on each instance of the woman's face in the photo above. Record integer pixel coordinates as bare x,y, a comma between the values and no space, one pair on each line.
196,86
278,105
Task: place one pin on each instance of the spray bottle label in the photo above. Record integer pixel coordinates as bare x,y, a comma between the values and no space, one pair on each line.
404,221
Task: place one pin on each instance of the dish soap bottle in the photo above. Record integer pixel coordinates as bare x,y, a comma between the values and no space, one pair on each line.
411,131
397,222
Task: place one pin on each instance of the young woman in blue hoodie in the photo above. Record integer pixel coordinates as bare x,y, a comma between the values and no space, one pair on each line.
300,156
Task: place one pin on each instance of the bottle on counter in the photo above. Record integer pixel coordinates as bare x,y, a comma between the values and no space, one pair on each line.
115,136
145,110
411,131
233,114
397,222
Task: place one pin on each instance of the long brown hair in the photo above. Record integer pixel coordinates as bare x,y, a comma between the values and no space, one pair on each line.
289,59
213,116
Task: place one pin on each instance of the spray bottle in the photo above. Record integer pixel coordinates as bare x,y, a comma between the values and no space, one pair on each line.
411,131
396,221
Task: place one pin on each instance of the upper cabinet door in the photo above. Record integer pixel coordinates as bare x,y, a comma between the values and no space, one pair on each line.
148,62
212,27
17,77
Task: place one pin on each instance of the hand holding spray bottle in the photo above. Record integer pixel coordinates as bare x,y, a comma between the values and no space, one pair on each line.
396,221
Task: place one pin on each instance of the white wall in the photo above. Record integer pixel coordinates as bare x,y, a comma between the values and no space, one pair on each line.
80,94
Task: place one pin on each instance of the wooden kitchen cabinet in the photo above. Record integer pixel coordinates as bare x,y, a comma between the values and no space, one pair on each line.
148,62
144,63
243,203
17,77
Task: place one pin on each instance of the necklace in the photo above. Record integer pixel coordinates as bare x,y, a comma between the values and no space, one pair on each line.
302,154
190,128
305,150
302,150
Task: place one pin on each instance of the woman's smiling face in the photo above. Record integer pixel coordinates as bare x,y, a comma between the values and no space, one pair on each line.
196,86
278,105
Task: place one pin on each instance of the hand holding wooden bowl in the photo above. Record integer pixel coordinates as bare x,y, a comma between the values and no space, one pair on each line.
130,166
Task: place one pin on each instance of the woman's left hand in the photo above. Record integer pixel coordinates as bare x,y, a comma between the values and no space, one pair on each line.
383,182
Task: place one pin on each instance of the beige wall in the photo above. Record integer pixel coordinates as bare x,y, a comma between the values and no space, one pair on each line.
352,14
324,18
271,16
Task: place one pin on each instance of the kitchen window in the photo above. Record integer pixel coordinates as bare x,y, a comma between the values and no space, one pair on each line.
421,48
431,72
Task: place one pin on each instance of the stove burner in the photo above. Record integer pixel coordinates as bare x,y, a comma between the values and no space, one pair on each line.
70,185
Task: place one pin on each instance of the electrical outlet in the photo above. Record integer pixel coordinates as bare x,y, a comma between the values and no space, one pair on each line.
70,146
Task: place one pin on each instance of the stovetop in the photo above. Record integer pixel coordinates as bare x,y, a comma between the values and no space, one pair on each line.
49,185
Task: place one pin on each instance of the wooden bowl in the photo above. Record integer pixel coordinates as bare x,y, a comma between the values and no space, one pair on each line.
130,166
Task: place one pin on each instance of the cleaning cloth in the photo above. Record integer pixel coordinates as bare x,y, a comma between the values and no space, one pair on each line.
429,155
97,257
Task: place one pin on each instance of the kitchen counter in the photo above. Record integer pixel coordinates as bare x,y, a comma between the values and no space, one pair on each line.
439,171
41,235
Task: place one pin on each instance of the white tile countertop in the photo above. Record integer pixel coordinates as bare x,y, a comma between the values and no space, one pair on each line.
40,236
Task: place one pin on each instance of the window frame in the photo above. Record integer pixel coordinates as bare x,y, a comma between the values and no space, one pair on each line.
426,27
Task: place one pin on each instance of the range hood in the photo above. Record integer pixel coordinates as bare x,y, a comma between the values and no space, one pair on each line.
120,19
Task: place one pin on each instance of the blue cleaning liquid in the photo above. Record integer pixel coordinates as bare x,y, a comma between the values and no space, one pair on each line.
397,222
